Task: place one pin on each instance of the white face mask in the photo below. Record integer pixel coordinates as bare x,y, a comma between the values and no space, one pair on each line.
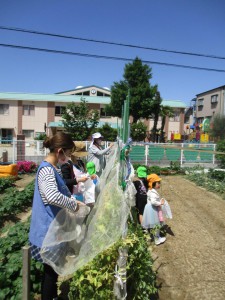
63,158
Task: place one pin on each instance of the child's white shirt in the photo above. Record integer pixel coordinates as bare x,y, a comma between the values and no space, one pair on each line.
153,197
90,190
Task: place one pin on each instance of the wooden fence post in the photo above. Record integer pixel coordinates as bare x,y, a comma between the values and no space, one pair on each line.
26,272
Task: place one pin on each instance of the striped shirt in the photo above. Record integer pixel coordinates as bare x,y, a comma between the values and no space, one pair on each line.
49,190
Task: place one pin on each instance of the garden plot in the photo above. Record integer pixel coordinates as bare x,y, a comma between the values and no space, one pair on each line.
191,263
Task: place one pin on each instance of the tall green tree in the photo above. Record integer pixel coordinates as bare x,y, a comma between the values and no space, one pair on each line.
109,133
79,120
165,111
138,131
156,109
136,79
217,127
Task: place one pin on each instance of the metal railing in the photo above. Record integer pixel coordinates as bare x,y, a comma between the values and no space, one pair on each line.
12,151
164,153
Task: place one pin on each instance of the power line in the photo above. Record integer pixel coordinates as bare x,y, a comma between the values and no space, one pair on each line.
109,43
107,57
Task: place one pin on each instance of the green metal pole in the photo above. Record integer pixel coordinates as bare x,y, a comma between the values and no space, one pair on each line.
124,122
126,117
121,128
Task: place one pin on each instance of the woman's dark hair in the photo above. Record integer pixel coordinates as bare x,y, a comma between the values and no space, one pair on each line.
59,140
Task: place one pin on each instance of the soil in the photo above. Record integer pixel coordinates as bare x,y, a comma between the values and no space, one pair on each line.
191,263
24,180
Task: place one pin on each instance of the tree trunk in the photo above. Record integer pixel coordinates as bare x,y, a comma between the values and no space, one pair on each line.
155,128
162,139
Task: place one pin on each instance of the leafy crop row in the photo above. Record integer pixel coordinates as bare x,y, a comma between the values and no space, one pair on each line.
209,182
15,202
11,263
6,183
95,280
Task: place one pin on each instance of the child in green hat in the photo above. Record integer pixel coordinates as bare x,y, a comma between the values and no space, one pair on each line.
91,185
141,186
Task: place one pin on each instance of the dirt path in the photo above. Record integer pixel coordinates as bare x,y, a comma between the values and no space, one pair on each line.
191,264
24,180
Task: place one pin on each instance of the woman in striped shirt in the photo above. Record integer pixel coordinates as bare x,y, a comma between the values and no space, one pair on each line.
50,196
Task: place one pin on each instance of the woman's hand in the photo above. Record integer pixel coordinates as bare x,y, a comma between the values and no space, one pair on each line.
94,176
162,201
80,203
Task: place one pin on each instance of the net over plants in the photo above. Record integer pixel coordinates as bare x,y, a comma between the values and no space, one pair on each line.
74,239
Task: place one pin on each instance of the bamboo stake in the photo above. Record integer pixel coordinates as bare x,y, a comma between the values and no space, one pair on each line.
26,272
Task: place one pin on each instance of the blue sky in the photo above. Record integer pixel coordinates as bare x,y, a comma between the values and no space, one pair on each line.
196,26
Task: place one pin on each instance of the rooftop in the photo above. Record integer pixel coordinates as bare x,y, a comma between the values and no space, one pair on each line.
53,98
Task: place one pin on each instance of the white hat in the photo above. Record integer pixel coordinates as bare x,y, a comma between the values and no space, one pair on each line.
96,135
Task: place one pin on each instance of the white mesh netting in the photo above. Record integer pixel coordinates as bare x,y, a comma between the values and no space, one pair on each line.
74,239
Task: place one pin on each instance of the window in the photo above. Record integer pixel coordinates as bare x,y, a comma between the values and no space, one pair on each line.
214,98
28,110
4,109
59,110
87,93
200,102
28,133
6,134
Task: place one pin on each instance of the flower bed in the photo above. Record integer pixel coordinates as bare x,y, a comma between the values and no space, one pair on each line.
26,167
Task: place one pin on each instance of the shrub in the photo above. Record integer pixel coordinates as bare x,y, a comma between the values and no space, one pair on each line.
41,137
154,170
216,174
220,147
26,167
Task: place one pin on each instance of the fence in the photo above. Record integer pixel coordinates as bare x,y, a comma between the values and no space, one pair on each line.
12,151
186,154
163,154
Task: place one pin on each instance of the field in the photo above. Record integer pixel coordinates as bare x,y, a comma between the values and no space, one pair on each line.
191,263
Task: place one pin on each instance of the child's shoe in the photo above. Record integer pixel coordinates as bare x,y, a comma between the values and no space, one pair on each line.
162,240
159,240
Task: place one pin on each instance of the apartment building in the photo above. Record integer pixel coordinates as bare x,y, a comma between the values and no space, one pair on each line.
210,103
34,114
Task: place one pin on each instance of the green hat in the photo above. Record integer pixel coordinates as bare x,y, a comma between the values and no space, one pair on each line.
142,172
90,166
